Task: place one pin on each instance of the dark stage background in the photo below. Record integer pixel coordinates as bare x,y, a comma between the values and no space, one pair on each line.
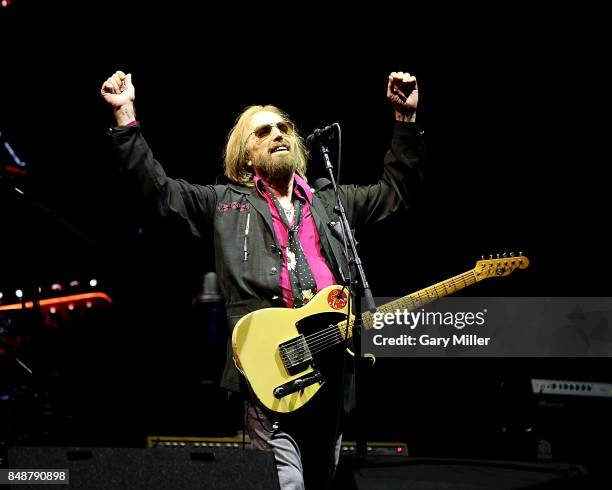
509,105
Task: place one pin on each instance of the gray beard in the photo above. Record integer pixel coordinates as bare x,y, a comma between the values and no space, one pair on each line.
276,170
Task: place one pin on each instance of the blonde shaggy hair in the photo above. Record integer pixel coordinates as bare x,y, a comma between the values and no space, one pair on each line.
236,151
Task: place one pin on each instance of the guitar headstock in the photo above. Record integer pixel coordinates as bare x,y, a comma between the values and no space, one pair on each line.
500,266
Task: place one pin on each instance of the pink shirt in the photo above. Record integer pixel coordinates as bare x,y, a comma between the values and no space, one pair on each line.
308,235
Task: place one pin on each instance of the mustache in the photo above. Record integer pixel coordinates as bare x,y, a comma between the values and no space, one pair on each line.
285,143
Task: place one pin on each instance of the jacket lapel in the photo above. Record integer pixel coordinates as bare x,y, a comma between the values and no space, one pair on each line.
327,242
261,206
321,219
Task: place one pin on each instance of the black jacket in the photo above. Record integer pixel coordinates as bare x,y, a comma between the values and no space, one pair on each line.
253,283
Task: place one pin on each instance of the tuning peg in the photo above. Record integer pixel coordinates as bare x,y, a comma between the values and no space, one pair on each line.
511,254
482,257
520,254
491,257
505,255
498,256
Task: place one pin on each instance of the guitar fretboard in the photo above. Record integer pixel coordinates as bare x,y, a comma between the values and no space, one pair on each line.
418,299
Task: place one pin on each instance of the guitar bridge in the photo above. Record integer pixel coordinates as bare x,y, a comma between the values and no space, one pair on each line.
297,384
295,354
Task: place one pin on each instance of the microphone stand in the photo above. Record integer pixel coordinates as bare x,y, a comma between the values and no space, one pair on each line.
357,288
20,194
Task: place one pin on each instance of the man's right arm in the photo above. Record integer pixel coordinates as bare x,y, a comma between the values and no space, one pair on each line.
193,204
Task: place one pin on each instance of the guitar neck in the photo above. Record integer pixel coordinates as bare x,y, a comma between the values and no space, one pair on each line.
418,299
424,296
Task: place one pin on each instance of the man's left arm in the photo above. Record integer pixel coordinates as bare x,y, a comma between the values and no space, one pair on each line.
402,164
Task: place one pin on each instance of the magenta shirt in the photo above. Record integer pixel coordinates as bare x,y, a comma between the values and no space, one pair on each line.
308,235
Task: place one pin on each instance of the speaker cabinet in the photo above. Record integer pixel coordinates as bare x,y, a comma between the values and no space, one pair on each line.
141,468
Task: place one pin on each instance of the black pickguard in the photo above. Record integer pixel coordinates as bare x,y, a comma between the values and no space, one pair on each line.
326,360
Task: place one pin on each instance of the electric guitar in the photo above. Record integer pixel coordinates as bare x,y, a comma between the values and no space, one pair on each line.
282,351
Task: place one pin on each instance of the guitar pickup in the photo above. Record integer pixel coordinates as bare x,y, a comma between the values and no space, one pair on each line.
297,384
295,354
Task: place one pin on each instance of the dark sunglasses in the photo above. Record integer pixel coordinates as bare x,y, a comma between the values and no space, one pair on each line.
263,131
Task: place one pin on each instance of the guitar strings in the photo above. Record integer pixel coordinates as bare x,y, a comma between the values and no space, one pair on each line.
335,334
330,333
314,341
440,287
320,340
414,304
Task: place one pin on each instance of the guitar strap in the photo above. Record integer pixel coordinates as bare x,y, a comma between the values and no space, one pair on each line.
332,251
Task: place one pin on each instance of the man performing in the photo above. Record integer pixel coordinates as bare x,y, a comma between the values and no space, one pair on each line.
273,246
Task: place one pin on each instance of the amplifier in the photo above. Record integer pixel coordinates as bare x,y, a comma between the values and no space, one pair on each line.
235,442
574,388
568,420
105,468
399,449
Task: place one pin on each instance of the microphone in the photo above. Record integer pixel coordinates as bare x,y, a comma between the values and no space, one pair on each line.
320,133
